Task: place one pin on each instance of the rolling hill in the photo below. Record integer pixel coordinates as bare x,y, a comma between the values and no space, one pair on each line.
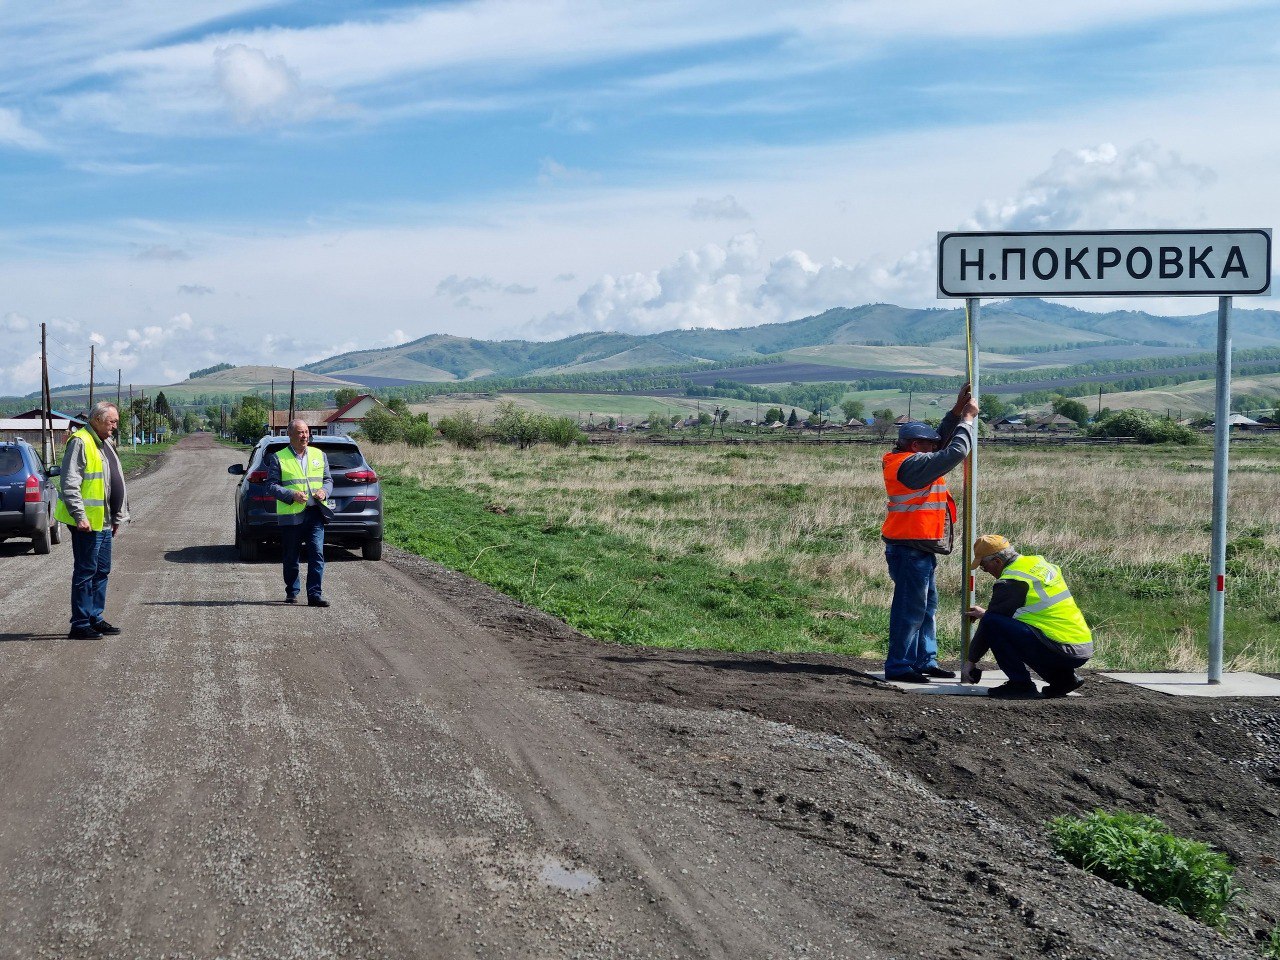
1025,332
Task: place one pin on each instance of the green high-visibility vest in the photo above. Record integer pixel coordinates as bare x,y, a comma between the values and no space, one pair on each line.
93,489
306,475
1049,606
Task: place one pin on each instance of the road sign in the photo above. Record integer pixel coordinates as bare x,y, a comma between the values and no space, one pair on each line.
1117,263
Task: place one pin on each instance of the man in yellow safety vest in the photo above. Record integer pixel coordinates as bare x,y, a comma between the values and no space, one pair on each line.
92,504
298,477
1033,623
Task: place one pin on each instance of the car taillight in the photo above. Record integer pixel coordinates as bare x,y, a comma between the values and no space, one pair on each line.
364,499
258,476
362,476
33,490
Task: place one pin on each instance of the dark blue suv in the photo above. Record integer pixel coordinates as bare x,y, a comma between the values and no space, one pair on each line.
27,496
356,501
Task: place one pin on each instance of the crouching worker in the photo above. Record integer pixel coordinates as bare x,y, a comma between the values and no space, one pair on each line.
1032,624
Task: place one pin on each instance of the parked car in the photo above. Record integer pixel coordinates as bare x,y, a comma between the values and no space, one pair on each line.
27,496
356,500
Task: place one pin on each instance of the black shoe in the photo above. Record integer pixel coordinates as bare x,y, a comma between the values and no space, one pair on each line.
940,673
84,633
912,676
1015,690
1062,689
105,628
290,598
317,602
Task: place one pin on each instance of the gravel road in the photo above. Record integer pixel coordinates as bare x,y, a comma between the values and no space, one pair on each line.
426,769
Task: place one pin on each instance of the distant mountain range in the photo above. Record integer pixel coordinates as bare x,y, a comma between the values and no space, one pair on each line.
1016,326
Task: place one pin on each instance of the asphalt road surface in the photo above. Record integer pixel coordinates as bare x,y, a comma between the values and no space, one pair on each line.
392,777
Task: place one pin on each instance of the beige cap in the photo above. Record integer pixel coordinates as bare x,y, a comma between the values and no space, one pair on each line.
984,547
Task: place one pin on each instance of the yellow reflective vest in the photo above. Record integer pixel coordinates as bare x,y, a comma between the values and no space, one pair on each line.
306,475
1049,606
93,488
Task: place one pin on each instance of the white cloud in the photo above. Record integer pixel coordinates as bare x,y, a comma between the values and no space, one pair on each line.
162,252
15,322
456,286
195,289
260,89
1100,186
553,173
15,133
726,208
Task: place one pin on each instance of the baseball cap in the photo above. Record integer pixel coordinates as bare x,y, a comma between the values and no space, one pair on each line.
915,430
987,545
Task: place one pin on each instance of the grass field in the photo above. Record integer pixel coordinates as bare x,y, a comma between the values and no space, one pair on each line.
599,407
131,460
779,548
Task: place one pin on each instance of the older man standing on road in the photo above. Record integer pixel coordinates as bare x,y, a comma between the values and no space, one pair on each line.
917,529
92,505
1033,622
298,477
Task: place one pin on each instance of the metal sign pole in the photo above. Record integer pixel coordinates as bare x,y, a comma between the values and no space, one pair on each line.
1221,445
969,527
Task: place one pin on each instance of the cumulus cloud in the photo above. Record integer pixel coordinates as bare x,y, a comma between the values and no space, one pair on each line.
195,289
259,88
732,285
15,322
1096,187
726,208
15,133
566,277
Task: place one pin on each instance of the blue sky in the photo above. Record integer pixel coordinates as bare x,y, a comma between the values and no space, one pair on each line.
256,182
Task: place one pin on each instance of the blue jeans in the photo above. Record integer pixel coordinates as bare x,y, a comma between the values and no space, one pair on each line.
91,564
292,537
913,628
1017,646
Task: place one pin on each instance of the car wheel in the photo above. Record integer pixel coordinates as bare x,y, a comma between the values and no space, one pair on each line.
55,531
41,540
371,550
247,546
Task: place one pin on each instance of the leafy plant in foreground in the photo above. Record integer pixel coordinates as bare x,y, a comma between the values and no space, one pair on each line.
1135,851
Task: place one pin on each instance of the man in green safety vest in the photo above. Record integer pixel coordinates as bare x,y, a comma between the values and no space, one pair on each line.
93,505
298,477
1033,623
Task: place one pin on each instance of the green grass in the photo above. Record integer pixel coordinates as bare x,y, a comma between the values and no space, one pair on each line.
1135,851
614,589
131,460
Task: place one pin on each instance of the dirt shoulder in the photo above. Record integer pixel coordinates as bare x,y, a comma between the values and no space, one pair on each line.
1210,769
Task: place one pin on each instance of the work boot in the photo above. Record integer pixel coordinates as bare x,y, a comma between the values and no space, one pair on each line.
1015,690
912,676
1062,689
940,673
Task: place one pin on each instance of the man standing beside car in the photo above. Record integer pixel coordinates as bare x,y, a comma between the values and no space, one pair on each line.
298,477
93,505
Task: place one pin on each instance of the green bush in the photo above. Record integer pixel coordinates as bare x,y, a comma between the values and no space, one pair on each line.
463,429
1271,949
1144,427
419,434
562,431
1136,851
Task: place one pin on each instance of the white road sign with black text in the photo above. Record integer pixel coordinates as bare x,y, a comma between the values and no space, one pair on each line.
1122,263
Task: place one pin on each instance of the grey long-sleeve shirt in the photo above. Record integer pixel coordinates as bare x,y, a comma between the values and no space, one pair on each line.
921,469
73,468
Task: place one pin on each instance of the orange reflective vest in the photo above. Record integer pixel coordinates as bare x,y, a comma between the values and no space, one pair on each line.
915,514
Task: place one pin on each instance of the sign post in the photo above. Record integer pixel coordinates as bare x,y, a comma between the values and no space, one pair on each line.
1116,263
970,522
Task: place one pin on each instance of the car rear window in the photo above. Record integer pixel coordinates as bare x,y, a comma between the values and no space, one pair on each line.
344,457
11,461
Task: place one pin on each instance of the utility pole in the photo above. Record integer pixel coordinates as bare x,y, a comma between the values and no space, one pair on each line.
133,426
91,349
1099,413
292,380
271,424
119,376
46,415
910,393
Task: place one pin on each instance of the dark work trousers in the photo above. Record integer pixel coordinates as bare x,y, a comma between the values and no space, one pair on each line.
1016,647
292,537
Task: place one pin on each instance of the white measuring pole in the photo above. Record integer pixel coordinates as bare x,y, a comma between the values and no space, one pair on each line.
969,527
1221,456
